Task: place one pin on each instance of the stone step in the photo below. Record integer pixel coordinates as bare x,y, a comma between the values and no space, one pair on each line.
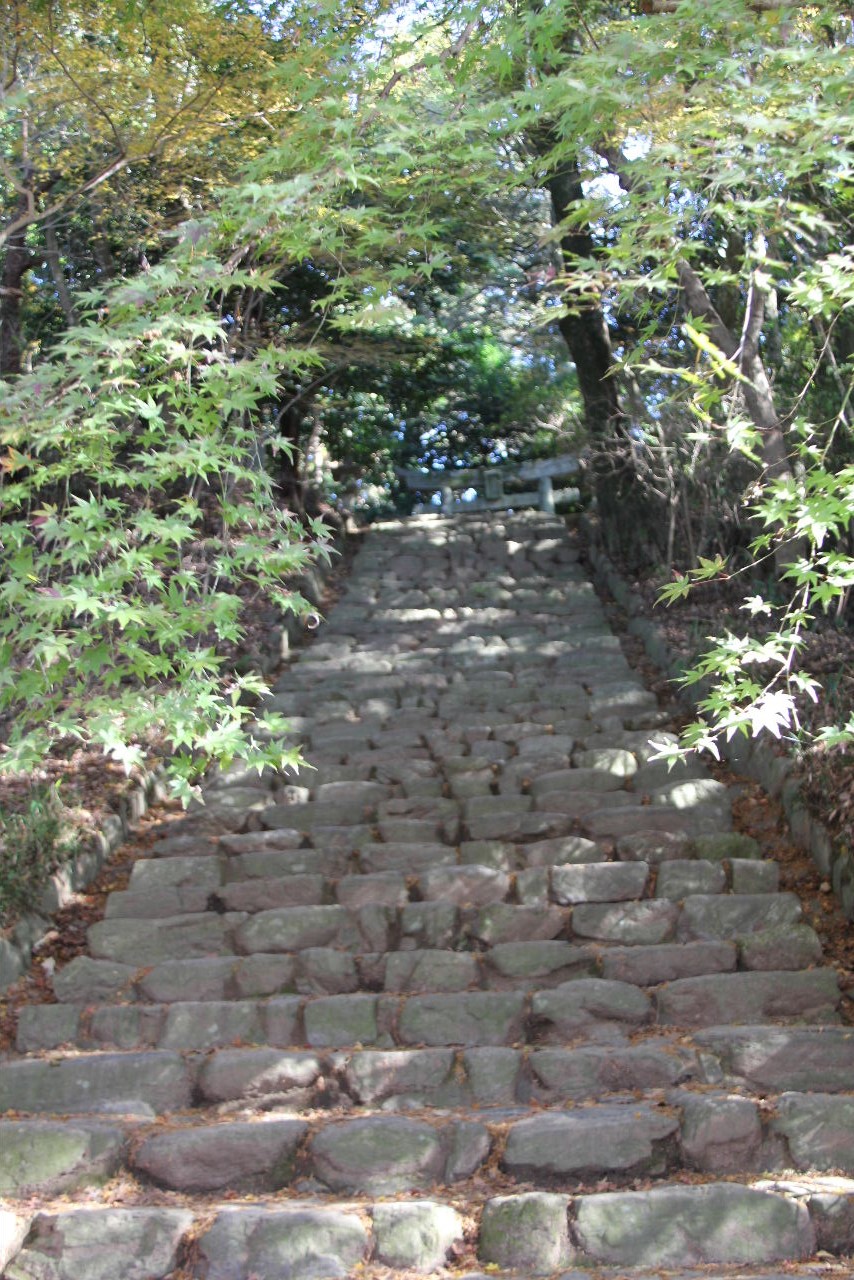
758,922
505,966
758,1060
768,1229
387,1153
165,887
383,1154
581,1007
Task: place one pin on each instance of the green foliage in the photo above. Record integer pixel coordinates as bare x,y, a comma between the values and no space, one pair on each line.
382,269
132,512
33,844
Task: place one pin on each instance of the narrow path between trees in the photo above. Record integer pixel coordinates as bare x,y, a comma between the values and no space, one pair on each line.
489,991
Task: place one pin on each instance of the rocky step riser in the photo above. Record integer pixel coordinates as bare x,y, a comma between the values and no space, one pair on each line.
284,852
535,1233
581,1007
555,813
442,925
755,1060
181,886
382,1154
506,966
515,966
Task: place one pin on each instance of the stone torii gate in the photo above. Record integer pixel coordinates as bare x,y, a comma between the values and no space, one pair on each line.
489,483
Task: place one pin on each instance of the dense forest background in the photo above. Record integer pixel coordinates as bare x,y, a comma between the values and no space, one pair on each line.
256,257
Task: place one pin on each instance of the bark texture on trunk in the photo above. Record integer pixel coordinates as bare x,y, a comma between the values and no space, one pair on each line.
16,263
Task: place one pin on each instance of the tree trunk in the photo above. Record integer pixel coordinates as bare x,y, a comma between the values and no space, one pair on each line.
16,263
57,272
584,330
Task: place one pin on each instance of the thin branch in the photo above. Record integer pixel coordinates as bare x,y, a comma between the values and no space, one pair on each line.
758,6
34,215
701,306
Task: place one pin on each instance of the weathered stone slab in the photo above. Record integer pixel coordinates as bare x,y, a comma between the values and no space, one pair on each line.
470,1018
563,851
232,1074
406,856
466,886
288,1244
791,946
520,826
377,1155
505,922
100,1244
154,904
44,1158
291,928
529,1231
416,1234
634,923
334,1021
717,846
380,888
46,1026
733,916
647,966
211,1023
687,1226
188,980
590,1072
807,996
266,893
537,964
282,838
492,1075
653,847
92,1082
599,882
580,1006
749,876
598,1140
613,760
373,1077
585,781
325,971
431,970
87,981
720,1133
636,820
679,879
238,1156
144,942
429,925
775,1059
269,864
150,874
819,1129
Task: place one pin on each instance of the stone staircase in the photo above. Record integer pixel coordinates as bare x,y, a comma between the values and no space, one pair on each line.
491,993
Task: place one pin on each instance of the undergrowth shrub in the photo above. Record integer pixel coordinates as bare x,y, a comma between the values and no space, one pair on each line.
33,844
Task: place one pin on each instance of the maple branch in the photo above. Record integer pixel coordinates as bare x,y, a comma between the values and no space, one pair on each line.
758,6
453,51
34,215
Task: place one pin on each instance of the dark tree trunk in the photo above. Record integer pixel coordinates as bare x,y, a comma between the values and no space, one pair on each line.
16,263
628,522
584,330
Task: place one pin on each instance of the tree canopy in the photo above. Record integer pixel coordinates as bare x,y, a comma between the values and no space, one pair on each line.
239,236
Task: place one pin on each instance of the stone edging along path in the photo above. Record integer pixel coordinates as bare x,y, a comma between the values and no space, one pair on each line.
753,757
489,992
